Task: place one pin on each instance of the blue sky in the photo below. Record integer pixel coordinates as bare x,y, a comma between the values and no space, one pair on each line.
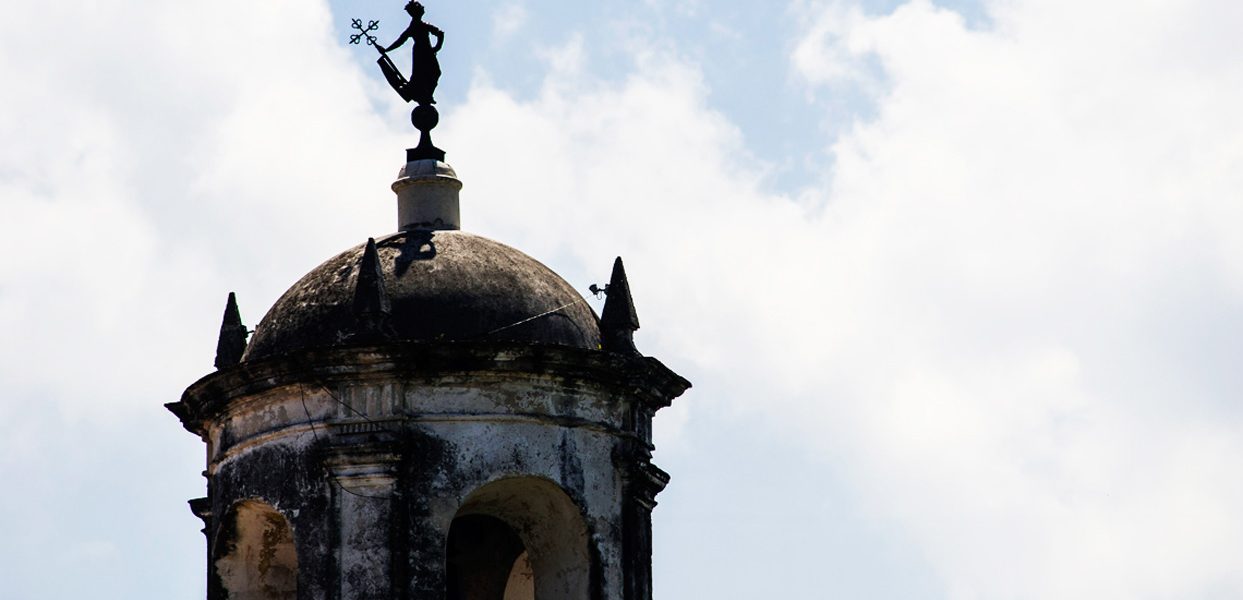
959,284
740,52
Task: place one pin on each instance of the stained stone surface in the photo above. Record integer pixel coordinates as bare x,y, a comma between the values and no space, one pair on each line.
443,286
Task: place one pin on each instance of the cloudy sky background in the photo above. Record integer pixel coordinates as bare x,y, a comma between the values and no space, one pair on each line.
959,284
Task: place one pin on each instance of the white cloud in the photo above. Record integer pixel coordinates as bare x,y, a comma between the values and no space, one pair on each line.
998,321
508,20
1041,206
566,59
146,181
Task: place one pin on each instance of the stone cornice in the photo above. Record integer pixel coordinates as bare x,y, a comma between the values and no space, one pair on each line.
643,378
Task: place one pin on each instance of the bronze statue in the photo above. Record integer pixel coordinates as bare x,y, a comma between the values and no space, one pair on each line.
424,68
424,74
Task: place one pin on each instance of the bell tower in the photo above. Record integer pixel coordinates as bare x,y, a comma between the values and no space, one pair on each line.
430,415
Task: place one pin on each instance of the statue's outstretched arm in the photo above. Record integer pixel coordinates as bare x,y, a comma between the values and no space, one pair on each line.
405,35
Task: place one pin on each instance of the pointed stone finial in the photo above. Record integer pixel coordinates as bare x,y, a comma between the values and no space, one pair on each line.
232,342
371,302
618,320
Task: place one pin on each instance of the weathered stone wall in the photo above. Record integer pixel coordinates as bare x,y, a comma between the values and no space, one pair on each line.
370,454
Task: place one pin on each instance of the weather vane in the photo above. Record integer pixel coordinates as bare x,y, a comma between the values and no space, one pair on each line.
364,33
424,74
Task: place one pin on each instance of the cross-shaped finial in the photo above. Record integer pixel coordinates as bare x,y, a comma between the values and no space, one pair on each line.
363,33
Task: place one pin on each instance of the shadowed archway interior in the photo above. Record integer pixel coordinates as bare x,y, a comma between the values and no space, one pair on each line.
516,539
486,560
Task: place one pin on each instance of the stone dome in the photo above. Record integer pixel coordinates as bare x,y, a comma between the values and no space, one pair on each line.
441,286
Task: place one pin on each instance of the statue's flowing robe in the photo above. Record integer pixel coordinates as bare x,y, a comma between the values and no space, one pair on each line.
424,68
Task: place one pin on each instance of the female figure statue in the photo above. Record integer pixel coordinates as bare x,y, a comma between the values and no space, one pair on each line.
424,68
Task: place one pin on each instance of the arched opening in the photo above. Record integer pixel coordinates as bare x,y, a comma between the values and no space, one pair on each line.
518,539
481,558
256,557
